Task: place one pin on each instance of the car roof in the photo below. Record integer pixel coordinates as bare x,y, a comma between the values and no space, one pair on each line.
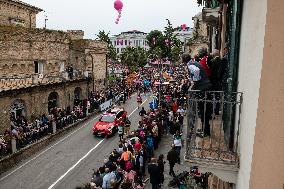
108,114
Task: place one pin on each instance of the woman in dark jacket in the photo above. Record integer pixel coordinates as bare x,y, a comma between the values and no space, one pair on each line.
161,163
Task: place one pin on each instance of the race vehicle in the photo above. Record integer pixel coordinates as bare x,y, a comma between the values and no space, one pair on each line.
108,123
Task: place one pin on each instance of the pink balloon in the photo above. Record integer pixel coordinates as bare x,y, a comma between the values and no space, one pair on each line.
118,5
119,16
116,22
183,27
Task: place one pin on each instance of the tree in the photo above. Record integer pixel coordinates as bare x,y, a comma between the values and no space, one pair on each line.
134,57
173,48
164,44
103,36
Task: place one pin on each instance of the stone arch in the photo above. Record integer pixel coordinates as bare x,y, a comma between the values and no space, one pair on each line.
77,95
53,101
14,66
18,108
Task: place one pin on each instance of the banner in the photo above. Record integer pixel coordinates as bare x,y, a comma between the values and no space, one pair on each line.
118,97
106,105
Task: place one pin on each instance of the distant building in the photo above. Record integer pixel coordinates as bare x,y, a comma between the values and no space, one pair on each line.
183,35
17,13
130,38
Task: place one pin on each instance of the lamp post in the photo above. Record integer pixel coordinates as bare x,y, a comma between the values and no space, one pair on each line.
92,70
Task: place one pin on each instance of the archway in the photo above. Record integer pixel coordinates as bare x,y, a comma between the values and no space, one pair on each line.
53,101
18,108
77,96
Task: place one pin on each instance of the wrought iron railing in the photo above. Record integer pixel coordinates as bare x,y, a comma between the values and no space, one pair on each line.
213,126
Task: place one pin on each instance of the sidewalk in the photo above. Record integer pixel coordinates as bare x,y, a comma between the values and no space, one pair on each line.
164,148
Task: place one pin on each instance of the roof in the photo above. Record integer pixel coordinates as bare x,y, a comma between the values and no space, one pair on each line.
133,32
21,3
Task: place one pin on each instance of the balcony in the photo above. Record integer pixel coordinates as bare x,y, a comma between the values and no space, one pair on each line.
213,132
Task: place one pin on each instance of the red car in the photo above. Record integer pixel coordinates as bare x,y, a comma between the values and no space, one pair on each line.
108,124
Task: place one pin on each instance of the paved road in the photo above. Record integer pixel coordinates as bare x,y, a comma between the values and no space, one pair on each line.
68,161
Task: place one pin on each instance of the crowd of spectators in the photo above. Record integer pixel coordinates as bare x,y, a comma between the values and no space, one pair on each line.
26,131
127,164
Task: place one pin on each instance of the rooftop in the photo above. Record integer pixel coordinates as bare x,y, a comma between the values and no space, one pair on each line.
22,4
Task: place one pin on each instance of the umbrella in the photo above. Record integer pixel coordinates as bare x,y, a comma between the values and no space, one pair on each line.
147,66
157,83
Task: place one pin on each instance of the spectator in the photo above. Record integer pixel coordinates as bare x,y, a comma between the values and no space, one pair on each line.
161,163
173,158
154,171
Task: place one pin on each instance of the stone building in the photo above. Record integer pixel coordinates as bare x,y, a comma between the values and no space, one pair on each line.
199,37
41,68
15,12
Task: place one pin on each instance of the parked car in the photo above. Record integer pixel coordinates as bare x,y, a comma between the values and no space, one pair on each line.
108,124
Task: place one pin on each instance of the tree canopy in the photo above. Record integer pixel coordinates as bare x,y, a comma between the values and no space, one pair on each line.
164,44
103,36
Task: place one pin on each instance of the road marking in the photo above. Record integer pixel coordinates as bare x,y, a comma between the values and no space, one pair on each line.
71,168
60,178
57,144
48,149
137,108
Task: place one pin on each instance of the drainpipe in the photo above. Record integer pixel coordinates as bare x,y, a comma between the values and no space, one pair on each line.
235,30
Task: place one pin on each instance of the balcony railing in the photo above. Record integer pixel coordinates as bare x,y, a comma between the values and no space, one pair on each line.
22,81
213,127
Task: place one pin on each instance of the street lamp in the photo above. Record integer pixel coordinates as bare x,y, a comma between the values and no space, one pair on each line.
92,70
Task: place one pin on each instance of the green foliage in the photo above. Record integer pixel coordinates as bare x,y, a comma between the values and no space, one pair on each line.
103,36
161,49
134,57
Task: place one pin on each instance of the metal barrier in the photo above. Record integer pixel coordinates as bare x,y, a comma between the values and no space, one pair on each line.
213,126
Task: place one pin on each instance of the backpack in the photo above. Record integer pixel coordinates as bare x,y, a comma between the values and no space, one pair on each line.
150,142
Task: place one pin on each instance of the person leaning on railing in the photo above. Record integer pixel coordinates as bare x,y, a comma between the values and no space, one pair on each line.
200,82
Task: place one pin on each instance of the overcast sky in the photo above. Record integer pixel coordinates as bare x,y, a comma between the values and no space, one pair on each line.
95,15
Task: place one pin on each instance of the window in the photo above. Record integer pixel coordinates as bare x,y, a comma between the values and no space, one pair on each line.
38,67
117,50
62,67
125,42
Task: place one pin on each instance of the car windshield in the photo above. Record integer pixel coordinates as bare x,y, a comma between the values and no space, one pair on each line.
108,118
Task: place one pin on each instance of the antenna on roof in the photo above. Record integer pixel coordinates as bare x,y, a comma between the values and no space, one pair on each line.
45,20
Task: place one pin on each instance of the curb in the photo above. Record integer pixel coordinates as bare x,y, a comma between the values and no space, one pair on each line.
12,160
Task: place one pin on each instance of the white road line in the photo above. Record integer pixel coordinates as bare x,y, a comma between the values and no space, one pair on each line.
71,168
60,178
48,149
137,108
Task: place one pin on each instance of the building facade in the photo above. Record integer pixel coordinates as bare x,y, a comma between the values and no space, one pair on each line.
199,36
41,69
252,32
183,35
130,38
17,13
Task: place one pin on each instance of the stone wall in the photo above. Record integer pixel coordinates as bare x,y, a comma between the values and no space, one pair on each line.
20,47
15,13
36,99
